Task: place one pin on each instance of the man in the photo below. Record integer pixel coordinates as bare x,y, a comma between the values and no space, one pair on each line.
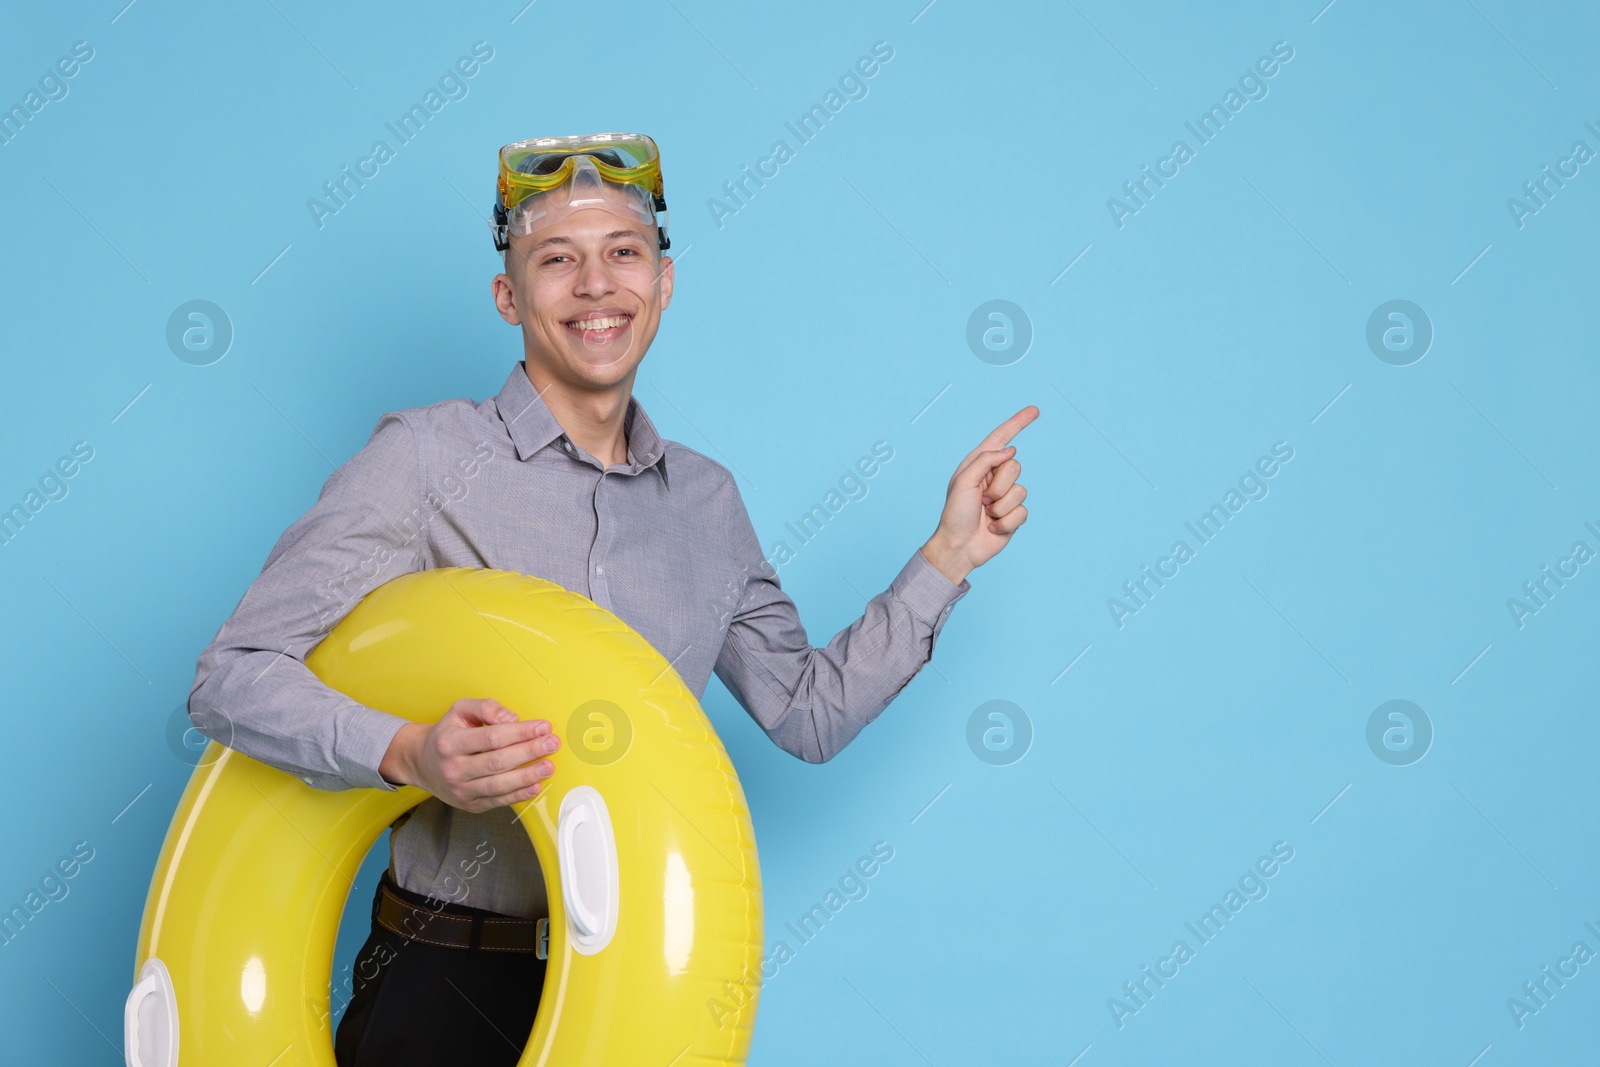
563,476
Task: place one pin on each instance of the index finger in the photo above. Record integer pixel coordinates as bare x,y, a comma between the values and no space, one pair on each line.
483,738
1000,435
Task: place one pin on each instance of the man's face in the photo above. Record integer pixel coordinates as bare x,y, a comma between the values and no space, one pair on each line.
588,291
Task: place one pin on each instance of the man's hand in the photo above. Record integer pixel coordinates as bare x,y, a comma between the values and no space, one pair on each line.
479,756
983,506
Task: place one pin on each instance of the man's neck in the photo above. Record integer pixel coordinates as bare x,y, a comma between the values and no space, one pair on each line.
593,420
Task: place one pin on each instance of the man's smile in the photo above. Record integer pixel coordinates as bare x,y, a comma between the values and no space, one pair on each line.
601,325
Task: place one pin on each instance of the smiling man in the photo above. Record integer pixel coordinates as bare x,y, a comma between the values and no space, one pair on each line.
563,476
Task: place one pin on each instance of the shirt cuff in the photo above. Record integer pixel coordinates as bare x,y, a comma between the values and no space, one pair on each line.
926,591
363,738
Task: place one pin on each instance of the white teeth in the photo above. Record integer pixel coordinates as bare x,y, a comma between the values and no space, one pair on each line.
601,324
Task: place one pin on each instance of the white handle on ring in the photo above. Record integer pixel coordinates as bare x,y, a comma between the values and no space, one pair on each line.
586,849
586,922
150,1019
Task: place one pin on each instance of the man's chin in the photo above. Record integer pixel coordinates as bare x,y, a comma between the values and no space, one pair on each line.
599,354
605,364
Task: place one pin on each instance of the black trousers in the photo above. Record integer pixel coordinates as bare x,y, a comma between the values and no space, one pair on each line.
414,1004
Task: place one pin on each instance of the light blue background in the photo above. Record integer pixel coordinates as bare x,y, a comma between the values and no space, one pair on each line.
1227,315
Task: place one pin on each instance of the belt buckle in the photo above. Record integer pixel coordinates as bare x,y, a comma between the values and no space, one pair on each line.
542,944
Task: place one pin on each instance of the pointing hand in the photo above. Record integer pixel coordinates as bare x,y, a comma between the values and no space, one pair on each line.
983,505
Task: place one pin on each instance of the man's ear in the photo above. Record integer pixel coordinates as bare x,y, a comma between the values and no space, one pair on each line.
666,274
505,299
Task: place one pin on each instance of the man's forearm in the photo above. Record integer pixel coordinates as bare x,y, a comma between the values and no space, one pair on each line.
273,709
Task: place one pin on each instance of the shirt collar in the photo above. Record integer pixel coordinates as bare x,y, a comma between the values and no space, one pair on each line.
533,426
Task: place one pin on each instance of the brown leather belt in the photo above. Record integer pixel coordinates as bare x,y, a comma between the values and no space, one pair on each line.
429,927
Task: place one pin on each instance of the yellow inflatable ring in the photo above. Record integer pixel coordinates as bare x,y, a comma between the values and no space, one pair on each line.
648,852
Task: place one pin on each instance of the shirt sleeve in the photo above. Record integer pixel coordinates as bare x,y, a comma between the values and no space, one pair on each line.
252,690
811,701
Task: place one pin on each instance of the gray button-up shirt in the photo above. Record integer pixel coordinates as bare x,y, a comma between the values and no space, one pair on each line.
662,541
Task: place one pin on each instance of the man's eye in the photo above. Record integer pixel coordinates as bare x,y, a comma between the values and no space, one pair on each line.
627,251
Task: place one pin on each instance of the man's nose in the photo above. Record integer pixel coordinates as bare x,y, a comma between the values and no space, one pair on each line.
594,279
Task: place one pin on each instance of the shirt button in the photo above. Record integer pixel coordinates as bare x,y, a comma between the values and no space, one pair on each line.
567,445
599,570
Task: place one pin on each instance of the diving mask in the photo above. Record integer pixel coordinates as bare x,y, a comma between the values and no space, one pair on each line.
546,178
